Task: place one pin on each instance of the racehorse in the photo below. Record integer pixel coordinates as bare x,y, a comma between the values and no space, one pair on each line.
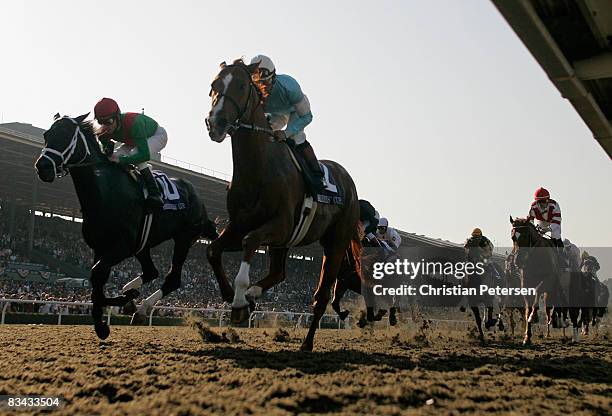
490,277
537,259
114,218
265,198
350,279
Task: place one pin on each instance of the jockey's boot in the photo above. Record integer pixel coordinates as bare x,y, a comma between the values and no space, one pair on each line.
313,164
154,200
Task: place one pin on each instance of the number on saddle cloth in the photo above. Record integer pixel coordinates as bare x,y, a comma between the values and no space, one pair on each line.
167,186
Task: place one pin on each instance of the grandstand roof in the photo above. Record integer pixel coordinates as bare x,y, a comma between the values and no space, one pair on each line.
21,144
572,42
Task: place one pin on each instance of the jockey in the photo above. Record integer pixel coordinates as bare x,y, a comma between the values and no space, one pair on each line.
140,136
589,263
388,235
548,214
573,254
478,247
287,106
369,217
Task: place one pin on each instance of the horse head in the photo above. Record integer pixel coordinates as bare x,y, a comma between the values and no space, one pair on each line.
524,236
234,98
65,146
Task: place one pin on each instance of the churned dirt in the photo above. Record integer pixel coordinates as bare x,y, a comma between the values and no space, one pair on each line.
173,371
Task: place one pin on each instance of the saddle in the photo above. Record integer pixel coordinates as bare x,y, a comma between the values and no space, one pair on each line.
332,194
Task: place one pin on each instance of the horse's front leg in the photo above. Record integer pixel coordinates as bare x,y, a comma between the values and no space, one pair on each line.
99,276
270,232
229,240
277,273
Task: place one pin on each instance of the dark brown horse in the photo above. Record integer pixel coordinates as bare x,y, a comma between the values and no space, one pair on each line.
538,263
265,198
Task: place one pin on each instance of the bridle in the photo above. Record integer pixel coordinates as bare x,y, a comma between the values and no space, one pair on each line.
238,123
528,248
68,152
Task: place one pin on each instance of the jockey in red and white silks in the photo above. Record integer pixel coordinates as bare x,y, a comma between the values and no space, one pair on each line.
548,214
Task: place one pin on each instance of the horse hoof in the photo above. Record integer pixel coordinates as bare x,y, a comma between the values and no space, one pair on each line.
137,319
102,330
370,315
392,320
381,313
362,322
342,315
240,315
490,323
501,326
526,342
130,308
306,346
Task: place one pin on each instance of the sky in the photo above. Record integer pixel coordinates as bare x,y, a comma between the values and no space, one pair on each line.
437,110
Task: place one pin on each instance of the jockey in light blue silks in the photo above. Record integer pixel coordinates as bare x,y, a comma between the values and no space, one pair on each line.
287,106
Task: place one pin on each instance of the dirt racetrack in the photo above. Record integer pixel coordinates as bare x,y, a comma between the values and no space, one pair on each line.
165,371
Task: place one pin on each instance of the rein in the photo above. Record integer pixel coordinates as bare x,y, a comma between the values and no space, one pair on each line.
68,153
239,124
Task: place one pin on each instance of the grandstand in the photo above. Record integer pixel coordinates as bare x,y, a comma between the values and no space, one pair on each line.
41,249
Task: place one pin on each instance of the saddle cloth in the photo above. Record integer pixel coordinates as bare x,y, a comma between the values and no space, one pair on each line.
332,194
173,200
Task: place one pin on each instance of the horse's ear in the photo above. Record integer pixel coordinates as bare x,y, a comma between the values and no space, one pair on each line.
252,67
56,116
82,117
511,220
222,65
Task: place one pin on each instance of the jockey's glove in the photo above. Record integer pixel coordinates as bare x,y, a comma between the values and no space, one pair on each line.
280,135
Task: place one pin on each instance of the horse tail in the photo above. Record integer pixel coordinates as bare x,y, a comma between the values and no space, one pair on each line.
355,253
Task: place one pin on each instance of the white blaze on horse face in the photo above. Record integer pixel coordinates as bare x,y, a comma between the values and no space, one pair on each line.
241,283
226,83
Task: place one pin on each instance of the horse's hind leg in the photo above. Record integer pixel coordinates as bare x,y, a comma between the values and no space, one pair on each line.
476,312
347,280
340,288
329,272
149,271
573,314
172,281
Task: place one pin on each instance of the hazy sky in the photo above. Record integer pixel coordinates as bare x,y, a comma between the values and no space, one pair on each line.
436,108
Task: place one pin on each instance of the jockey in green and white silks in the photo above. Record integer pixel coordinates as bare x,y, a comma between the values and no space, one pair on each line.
288,108
140,135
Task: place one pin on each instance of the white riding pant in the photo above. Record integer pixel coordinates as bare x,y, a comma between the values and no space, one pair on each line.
555,229
279,121
156,143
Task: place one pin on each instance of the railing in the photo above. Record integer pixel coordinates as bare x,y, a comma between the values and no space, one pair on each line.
222,312
300,316
196,168
63,311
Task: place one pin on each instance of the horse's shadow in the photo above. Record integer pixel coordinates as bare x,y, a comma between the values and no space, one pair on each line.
583,368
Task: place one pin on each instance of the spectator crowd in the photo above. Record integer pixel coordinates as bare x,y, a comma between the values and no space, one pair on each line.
61,240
